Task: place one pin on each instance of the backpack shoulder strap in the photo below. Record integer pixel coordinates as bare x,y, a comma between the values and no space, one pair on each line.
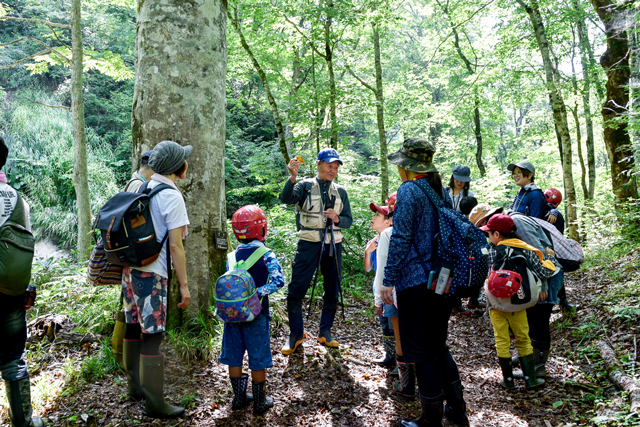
253,258
431,195
18,216
156,189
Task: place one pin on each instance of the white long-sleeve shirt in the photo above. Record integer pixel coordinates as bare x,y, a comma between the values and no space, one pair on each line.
382,252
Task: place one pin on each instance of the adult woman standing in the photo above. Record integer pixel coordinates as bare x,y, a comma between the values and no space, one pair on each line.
423,315
458,187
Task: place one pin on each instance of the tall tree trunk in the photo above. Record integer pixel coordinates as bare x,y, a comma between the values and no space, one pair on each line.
316,110
615,61
265,83
471,69
80,173
382,134
576,118
328,56
559,112
180,95
634,78
583,42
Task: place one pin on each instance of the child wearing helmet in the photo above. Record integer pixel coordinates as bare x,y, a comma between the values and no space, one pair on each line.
376,256
504,284
249,225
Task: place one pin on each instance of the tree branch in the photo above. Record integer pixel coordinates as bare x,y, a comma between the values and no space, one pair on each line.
37,21
46,105
6,67
299,31
362,82
48,49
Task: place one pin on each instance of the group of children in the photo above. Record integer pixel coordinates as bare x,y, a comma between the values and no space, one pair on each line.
250,228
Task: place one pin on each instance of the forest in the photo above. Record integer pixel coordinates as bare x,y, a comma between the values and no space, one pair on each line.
88,86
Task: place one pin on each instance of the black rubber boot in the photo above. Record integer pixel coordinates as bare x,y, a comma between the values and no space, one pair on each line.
261,402
389,358
529,371
456,408
507,373
131,364
241,399
431,415
152,382
406,386
540,358
20,409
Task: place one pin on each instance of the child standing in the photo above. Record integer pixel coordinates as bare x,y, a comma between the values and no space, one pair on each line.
502,285
553,197
249,225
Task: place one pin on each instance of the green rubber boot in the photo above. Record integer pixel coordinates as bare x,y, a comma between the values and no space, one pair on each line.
152,381
131,363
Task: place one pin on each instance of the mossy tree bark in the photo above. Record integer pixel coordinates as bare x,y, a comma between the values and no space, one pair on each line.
180,95
80,173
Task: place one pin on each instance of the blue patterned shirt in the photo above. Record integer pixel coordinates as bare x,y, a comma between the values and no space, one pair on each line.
415,224
276,278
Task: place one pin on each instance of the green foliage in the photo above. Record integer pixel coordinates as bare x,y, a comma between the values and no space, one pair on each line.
199,338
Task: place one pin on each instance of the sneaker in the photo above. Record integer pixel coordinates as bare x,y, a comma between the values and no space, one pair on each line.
292,344
567,306
459,309
327,340
476,303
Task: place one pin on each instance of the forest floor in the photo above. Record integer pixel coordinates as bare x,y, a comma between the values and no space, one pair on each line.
317,387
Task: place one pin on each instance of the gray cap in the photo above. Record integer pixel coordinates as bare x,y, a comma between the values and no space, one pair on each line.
168,156
462,173
525,164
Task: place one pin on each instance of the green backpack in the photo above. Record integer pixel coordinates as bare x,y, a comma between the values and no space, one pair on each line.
16,252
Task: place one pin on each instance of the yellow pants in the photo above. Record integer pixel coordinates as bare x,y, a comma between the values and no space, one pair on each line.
501,322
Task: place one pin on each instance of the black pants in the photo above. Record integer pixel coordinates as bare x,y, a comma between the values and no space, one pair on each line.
304,266
13,336
423,318
538,317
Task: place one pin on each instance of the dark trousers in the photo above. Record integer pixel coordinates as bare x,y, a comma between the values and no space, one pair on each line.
304,266
13,336
538,317
423,318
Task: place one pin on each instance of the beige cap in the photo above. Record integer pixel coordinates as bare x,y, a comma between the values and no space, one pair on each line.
481,212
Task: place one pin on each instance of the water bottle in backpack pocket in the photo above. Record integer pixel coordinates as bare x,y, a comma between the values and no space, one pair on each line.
236,295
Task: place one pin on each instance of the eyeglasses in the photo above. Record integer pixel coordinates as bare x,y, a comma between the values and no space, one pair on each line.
515,175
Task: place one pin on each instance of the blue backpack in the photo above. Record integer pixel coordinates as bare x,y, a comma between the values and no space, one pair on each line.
236,296
459,262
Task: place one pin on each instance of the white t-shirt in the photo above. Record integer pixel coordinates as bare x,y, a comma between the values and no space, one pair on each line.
382,253
457,199
8,200
169,212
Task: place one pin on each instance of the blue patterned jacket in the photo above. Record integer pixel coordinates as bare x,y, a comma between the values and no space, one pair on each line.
415,224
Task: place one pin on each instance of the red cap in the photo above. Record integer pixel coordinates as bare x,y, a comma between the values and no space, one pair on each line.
384,210
500,222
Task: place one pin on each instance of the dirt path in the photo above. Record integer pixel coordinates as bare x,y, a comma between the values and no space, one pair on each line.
340,388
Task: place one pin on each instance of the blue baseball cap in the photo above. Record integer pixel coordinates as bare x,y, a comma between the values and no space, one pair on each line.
145,157
329,155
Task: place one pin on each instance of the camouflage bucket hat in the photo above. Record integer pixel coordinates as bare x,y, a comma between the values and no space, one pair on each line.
415,155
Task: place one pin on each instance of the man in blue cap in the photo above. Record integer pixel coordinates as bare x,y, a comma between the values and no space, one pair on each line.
323,210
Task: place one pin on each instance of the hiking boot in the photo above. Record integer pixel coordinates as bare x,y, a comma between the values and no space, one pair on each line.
431,415
241,398
406,386
118,337
566,306
261,402
459,309
131,364
529,372
292,344
152,382
456,408
507,373
20,409
389,358
476,303
327,340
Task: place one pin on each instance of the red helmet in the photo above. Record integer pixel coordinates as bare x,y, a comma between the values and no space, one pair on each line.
553,196
249,222
391,201
504,283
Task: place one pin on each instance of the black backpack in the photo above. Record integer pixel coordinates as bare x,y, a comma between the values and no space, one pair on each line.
126,228
513,259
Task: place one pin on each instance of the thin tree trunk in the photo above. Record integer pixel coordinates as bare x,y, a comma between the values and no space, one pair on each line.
80,173
332,79
559,112
615,61
583,41
318,118
282,139
574,110
180,95
634,78
382,134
